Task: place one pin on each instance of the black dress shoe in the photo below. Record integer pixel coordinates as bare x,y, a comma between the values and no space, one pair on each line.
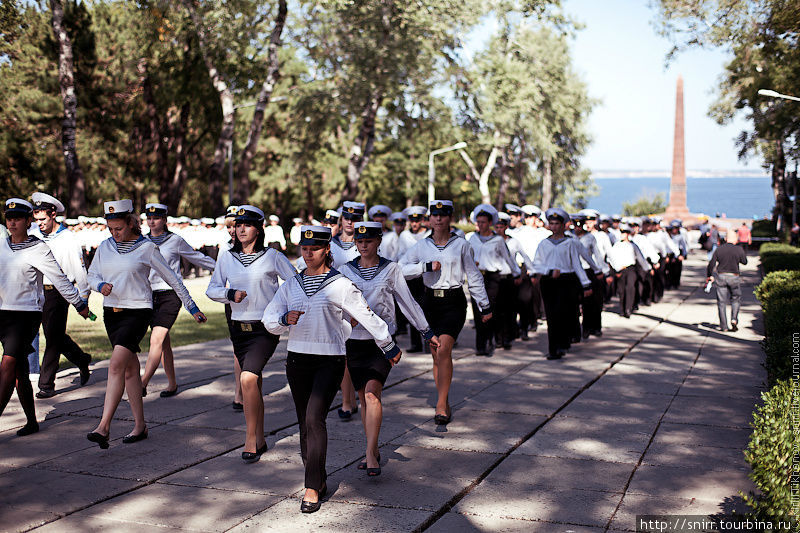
443,420
250,457
144,392
597,332
169,393
28,429
85,374
507,346
130,439
345,415
313,507
237,406
46,393
524,336
101,440
734,326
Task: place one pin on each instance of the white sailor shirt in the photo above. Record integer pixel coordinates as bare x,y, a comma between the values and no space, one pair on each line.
492,255
342,252
274,234
562,255
646,247
22,272
624,254
515,249
597,263
381,291
129,273
173,247
324,325
604,243
259,280
389,247
68,252
407,239
457,261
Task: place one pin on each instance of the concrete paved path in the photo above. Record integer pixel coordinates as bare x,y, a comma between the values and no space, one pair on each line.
651,418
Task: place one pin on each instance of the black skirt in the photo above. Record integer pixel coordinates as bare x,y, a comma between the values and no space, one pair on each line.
126,327
253,345
365,361
17,331
446,314
166,306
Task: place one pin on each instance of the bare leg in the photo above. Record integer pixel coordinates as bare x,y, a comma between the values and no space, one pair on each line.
157,337
115,386
133,385
373,416
169,364
237,375
348,392
253,411
443,372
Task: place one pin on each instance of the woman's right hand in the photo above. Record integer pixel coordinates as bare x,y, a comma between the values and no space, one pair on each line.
293,316
436,265
239,296
106,289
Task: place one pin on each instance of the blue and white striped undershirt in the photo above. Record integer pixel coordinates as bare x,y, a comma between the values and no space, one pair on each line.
368,272
311,283
27,243
126,246
159,240
347,245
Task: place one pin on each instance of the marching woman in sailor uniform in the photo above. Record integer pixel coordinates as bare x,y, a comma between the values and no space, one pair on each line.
493,260
408,238
315,308
24,260
246,277
230,226
442,260
166,303
557,264
120,271
68,252
382,283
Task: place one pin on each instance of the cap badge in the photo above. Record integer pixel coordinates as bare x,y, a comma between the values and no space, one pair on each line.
241,212
12,205
362,229
152,209
351,210
111,209
438,205
309,234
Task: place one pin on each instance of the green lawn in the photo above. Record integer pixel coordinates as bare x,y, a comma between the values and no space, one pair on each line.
91,336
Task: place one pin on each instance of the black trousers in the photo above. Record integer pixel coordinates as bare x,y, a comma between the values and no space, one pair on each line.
626,284
659,280
54,323
560,297
417,288
674,273
524,303
314,381
485,331
644,286
537,302
592,306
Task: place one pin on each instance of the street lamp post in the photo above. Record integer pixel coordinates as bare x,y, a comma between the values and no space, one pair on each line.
774,94
432,171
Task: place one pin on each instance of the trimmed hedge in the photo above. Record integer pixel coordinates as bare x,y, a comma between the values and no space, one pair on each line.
779,294
769,453
777,256
763,228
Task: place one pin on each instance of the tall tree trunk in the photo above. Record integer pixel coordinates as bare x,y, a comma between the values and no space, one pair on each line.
225,141
505,178
483,180
246,160
519,172
362,147
779,183
171,196
547,184
66,79
157,135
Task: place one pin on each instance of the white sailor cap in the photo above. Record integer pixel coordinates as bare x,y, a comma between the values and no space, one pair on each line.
486,209
195,222
100,220
250,214
398,216
331,215
368,230
513,209
557,212
635,221
207,220
231,211
604,218
219,220
156,210
415,211
625,228
71,221
46,202
352,210
18,206
117,208
379,210
82,219
315,235
531,210
616,218
590,214
503,218
274,218
295,220
440,207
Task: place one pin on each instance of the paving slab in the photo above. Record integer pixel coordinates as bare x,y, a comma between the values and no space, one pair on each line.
676,434
639,504
720,411
690,482
462,522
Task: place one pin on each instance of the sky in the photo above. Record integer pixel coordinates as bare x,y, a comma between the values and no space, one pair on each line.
622,59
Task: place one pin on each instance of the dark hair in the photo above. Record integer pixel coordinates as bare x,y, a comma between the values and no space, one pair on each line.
485,214
329,259
259,244
131,219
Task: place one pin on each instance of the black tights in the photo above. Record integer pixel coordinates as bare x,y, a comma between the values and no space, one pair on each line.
14,373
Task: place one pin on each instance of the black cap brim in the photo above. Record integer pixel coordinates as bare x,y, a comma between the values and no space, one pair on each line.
18,213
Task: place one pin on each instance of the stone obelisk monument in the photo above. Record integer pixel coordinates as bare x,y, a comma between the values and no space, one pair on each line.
677,207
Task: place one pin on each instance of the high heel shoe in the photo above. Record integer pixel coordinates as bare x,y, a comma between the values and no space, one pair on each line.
363,464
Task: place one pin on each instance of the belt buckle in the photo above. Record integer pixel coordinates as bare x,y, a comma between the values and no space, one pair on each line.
116,309
48,287
438,293
247,327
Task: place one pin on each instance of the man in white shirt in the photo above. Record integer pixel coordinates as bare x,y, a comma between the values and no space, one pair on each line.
273,234
68,254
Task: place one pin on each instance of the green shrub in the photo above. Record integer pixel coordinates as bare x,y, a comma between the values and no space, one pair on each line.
778,256
763,228
769,249
770,455
779,294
